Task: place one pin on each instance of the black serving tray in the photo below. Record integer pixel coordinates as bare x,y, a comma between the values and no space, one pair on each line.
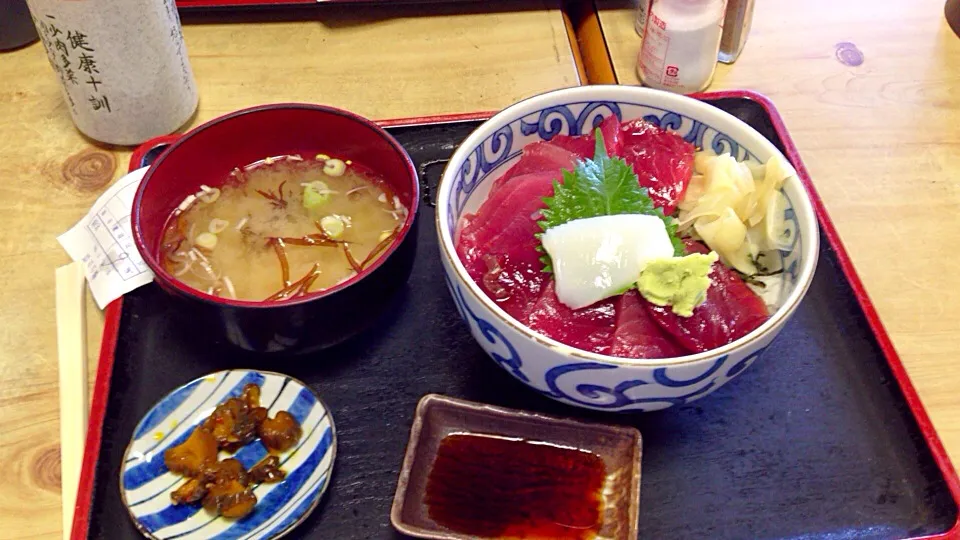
822,438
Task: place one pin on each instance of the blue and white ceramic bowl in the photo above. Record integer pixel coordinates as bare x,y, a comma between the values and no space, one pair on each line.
583,378
146,484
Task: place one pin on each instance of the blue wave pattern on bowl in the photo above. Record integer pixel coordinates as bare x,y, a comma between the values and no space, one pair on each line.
564,382
594,395
510,360
146,483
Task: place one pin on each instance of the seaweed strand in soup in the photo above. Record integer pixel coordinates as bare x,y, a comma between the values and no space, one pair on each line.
281,227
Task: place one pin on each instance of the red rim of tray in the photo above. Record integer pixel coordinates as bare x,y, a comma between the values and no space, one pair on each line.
81,516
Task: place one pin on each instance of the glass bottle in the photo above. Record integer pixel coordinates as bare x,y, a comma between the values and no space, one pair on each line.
681,42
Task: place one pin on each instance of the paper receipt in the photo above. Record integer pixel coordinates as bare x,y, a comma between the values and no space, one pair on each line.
103,242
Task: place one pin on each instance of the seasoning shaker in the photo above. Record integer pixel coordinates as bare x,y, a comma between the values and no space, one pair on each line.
736,27
122,66
681,43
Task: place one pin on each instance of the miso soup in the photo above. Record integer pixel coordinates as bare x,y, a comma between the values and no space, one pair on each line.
280,228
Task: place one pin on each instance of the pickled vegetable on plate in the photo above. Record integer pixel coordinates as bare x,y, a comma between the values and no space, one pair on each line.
193,490
229,499
234,422
189,457
224,471
267,471
280,433
225,487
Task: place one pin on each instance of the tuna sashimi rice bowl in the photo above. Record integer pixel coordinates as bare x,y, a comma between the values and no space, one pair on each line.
686,273
624,236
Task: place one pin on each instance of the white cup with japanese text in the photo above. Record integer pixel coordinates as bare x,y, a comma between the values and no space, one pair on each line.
123,66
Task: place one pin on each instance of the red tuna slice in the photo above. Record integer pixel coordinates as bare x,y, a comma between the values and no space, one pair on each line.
662,160
559,153
588,329
731,311
581,146
584,146
498,245
515,284
539,157
518,201
637,335
494,207
610,130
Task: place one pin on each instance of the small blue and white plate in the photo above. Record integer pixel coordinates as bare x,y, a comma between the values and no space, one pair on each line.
146,484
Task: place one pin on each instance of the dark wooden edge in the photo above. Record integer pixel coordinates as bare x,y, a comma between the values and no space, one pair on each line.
572,41
81,518
590,41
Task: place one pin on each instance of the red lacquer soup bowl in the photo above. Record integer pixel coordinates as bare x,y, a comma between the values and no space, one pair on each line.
207,155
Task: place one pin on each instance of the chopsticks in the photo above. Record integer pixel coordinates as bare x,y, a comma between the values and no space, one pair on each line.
72,354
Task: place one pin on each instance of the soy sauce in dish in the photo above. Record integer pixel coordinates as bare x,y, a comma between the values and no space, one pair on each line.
489,486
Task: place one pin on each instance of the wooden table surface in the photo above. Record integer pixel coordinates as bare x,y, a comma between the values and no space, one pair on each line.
381,63
881,141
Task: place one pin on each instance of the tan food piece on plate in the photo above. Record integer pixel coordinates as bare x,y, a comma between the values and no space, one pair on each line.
281,432
267,471
234,423
232,499
251,394
190,492
189,457
222,472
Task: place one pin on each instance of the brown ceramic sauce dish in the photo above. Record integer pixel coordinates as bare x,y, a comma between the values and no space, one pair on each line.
488,459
